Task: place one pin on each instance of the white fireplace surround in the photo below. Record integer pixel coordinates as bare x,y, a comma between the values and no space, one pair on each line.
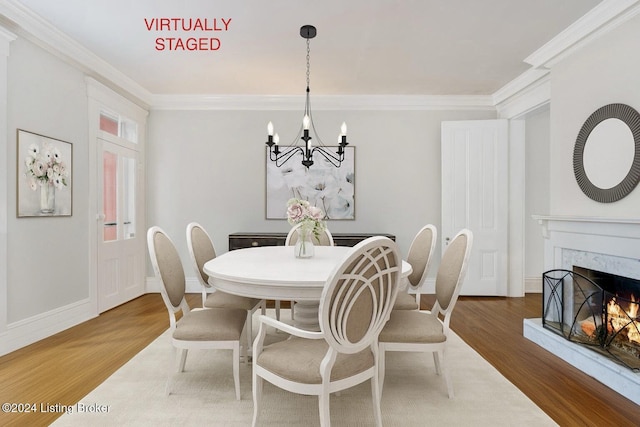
609,245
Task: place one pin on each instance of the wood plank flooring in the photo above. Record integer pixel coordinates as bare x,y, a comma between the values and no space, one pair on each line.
65,367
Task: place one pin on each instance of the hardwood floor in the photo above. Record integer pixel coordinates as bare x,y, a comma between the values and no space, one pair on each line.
65,367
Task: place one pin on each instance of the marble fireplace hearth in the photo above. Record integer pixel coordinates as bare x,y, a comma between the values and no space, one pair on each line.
602,244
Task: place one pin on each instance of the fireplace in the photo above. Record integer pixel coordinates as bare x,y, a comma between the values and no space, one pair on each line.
595,309
609,247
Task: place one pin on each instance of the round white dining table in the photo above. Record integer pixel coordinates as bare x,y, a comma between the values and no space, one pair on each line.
273,272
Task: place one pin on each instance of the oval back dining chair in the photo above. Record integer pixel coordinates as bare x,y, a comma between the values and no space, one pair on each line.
419,256
201,250
323,239
355,304
211,328
420,331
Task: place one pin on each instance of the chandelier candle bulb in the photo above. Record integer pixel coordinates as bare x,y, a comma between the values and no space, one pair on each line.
270,129
305,122
343,129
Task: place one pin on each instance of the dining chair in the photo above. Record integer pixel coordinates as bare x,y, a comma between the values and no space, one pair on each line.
421,331
419,256
323,239
205,328
354,306
201,250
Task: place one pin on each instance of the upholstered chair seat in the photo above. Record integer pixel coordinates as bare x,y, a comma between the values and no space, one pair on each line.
405,301
283,359
207,325
221,299
412,326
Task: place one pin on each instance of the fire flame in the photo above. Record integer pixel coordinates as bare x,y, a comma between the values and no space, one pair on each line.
626,321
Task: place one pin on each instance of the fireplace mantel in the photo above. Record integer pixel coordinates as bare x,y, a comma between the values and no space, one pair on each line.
568,223
609,245
590,236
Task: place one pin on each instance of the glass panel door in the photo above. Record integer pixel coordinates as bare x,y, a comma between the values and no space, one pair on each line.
110,196
118,193
121,248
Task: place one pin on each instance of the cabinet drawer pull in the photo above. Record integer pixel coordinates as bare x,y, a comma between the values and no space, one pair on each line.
254,244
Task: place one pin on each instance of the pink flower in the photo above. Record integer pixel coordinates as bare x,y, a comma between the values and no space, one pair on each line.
315,212
295,212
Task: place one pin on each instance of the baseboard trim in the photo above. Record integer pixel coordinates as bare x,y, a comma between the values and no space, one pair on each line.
532,285
28,331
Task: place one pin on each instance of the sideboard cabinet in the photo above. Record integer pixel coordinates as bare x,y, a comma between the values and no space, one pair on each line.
248,240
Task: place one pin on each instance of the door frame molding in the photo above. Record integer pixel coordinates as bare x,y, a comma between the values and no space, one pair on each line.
100,97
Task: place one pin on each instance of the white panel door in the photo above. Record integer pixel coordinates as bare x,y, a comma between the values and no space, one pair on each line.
475,196
121,254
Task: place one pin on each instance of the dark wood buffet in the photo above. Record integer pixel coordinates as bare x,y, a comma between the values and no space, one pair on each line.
248,239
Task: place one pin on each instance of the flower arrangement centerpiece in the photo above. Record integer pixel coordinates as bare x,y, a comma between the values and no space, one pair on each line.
45,170
310,220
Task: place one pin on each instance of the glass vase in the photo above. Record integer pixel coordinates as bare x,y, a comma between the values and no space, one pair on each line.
47,199
304,246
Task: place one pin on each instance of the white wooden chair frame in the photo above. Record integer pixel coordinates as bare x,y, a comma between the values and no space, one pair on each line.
444,316
206,287
181,345
333,318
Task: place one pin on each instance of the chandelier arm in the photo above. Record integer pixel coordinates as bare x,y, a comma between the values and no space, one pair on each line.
331,158
285,156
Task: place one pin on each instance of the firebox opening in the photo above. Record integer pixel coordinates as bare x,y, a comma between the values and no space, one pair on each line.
595,309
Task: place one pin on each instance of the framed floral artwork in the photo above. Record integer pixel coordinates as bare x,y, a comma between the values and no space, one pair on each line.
44,168
323,185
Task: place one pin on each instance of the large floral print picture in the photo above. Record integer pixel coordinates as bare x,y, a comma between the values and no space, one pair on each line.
323,185
44,175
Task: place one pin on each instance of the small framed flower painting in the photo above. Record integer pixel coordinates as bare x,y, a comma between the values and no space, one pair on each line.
323,185
44,169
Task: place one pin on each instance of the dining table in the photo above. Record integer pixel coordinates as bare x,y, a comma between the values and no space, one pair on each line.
273,272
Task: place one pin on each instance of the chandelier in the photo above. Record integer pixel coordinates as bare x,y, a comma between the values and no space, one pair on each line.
281,156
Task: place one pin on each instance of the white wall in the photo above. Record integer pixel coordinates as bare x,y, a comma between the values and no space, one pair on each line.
605,71
208,166
47,257
536,190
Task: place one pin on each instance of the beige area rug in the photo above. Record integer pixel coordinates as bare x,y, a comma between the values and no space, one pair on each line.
413,394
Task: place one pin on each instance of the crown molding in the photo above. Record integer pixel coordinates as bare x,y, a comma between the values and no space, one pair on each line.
322,102
601,19
515,97
529,91
24,22
516,86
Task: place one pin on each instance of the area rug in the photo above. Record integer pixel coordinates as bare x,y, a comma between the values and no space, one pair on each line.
204,394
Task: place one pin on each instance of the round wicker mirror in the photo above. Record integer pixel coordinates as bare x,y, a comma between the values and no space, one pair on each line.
623,156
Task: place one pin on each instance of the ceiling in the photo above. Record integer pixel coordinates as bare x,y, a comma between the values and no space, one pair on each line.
363,47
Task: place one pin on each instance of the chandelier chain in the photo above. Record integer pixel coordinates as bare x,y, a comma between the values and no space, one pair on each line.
308,61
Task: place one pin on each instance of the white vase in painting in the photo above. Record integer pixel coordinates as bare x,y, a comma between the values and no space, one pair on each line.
47,198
